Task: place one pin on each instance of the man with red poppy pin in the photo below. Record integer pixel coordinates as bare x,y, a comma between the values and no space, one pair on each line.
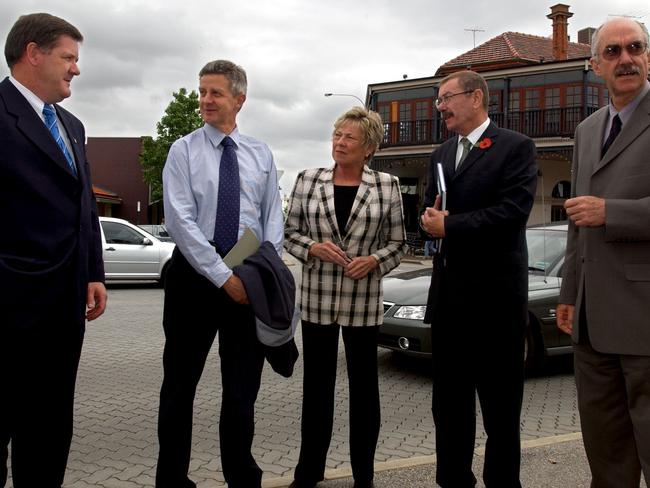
482,264
606,280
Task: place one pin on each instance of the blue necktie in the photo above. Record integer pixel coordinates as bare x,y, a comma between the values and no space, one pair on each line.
50,122
226,226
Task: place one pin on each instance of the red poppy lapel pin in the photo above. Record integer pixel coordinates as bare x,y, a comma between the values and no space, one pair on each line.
485,143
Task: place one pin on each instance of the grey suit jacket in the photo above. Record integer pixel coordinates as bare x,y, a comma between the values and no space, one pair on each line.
609,266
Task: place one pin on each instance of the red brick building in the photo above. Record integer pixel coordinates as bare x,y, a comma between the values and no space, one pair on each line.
117,178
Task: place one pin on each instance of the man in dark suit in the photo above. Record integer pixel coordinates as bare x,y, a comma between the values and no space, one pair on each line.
51,270
477,303
606,282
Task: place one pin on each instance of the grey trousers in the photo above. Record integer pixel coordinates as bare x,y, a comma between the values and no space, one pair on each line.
614,406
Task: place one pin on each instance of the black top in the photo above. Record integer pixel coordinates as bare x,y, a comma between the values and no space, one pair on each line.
343,200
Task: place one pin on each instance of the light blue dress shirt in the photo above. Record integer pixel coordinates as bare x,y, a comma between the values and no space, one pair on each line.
190,190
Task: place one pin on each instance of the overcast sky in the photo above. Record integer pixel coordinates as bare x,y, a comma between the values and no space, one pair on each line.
137,52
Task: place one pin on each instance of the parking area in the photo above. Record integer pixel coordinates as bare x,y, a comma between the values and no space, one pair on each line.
115,444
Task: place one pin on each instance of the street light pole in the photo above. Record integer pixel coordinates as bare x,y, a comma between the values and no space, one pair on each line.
345,95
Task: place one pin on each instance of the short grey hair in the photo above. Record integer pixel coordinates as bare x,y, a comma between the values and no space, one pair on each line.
372,128
235,74
595,38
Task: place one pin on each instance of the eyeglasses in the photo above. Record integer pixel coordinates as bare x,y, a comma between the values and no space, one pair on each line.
612,52
445,98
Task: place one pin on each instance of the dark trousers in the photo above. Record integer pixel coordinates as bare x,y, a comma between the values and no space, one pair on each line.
38,369
194,311
614,406
320,353
478,351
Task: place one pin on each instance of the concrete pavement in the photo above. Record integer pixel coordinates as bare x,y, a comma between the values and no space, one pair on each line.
552,462
115,444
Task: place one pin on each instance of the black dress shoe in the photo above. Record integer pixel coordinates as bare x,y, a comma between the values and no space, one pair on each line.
364,485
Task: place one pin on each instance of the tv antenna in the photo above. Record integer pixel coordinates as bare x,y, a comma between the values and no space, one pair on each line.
474,31
629,16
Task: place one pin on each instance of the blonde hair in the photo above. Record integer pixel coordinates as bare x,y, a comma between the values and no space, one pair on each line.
372,128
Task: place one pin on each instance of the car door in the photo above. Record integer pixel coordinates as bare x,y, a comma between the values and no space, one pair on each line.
125,253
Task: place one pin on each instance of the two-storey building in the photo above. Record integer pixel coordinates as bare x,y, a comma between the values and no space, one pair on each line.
542,87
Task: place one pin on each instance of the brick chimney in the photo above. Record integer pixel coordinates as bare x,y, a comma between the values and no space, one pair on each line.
585,35
560,15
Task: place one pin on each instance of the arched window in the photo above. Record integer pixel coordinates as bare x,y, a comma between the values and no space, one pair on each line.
562,189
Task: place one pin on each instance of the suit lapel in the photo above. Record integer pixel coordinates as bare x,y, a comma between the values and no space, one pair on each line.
360,201
326,194
75,143
30,124
638,123
477,152
590,152
449,161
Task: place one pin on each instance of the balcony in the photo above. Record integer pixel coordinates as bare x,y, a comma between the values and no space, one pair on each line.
555,122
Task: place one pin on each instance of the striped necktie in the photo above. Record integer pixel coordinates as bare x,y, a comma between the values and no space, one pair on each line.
50,121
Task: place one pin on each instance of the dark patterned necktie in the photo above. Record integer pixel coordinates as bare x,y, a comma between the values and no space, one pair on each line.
467,147
613,133
226,226
50,121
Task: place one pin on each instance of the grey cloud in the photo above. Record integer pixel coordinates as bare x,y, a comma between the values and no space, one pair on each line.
136,53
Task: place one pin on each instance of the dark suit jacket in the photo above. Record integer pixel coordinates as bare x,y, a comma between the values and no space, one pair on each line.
489,199
50,243
611,263
271,291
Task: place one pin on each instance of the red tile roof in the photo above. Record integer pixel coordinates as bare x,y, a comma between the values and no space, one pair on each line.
511,49
106,195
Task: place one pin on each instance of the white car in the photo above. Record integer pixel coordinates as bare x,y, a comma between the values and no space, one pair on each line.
131,253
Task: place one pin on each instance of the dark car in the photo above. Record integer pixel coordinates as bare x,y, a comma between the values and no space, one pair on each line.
405,298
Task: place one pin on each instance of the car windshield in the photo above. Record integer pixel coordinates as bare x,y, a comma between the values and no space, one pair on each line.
545,248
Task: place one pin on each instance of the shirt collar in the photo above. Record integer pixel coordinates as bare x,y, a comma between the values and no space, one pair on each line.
36,103
216,136
476,134
626,112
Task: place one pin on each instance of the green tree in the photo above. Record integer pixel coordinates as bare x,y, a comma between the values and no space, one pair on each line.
181,117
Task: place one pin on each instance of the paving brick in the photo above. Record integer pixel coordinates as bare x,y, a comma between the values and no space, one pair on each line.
116,410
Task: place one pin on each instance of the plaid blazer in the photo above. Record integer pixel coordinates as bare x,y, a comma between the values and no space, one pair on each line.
375,228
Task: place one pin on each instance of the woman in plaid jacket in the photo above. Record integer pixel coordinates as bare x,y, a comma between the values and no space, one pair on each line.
345,224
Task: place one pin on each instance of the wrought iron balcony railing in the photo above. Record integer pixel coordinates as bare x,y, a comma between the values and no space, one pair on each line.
555,122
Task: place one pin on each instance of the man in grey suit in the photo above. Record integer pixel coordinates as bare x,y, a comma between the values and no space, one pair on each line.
605,296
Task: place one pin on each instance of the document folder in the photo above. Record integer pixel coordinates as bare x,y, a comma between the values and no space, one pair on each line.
247,245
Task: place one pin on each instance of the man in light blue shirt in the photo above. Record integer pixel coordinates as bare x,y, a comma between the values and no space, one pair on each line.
202,295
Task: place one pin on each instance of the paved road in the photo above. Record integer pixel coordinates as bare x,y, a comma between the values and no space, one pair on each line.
115,443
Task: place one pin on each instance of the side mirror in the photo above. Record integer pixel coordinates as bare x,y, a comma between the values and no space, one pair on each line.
146,241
